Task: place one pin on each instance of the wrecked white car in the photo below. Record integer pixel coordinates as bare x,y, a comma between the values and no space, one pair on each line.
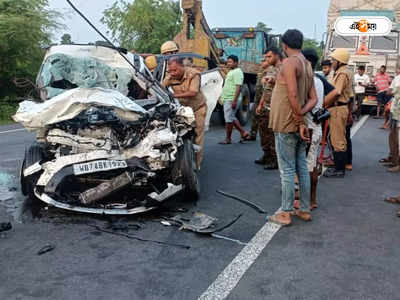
110,139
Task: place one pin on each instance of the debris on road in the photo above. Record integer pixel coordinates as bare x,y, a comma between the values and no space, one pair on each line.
133,237
228,239
246,202
45,249
166,223
201,223
5,226
122,226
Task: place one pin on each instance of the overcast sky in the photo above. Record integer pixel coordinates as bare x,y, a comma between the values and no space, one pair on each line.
308,15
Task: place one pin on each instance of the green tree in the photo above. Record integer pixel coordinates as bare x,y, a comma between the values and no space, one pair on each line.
262,26
26,26
143,25
66,39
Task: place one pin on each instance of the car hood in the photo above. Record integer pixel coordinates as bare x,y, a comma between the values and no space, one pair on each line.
71,103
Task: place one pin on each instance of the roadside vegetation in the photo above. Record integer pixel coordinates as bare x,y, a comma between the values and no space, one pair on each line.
27,27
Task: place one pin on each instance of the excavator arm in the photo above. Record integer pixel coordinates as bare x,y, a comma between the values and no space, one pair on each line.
196,36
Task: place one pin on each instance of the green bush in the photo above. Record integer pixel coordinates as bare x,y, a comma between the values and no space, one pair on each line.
7,109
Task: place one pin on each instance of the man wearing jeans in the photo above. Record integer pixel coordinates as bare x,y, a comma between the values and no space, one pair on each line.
293,96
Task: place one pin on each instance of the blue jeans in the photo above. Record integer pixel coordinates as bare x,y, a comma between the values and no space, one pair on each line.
291,152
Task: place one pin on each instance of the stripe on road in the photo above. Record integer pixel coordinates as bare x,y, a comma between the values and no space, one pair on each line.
231,275
13,130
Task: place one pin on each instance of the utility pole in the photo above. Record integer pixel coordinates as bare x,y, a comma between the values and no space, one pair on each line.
315,32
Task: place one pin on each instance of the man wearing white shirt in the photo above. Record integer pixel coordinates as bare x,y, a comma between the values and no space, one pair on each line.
361,81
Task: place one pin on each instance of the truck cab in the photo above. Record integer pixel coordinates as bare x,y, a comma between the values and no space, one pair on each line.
248,44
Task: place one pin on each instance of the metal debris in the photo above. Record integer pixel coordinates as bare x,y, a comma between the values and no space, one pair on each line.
166,223
228,239
5,226
45,249
129,236
122,226
201,223
246,202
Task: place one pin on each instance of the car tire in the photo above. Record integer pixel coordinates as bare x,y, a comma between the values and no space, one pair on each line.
32,155
244,112
189,171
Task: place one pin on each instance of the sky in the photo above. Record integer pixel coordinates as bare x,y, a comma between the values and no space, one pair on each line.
309,16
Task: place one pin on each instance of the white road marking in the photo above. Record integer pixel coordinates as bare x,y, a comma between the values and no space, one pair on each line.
228,279
359,125
13,130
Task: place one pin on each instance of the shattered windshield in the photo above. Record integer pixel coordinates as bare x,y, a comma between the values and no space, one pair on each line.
348,42
68,67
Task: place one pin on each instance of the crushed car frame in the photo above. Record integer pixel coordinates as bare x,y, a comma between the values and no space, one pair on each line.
110,139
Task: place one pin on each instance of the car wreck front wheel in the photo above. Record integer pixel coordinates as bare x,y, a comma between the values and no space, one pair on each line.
33,155
189,170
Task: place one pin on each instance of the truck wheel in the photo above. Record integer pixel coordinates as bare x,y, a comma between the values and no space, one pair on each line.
32,155
189,171
244,111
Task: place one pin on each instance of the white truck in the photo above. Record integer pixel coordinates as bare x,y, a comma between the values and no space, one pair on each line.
369,51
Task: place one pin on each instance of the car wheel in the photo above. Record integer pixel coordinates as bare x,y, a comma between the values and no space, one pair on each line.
189,171
32,155
244,111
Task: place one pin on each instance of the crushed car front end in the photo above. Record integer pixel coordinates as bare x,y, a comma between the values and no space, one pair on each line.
109,140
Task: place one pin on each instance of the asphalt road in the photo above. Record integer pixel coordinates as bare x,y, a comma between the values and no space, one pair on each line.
348,251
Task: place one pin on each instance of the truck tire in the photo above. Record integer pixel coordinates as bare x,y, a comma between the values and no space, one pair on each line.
244,112
189,171
32,155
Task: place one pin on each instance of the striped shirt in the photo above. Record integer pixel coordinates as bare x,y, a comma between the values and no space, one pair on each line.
382,82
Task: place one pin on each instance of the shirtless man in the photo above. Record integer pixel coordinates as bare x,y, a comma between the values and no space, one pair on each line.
294,95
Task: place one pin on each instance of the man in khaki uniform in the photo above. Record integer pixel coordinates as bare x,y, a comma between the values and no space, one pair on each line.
337,103
185,82
257,98
269,160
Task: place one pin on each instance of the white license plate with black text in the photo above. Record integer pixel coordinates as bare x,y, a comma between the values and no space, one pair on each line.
98,166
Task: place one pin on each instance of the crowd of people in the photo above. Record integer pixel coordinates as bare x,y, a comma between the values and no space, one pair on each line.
296,111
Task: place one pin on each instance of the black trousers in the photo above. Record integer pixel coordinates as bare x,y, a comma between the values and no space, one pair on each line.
349,151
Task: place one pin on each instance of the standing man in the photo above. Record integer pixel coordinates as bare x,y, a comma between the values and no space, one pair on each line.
293,96
230,97
395,110
257,98
269,159
361,81
315,129
185,83
337,103
327,69
395,123
382,82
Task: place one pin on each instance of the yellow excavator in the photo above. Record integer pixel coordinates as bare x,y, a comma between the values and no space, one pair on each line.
196,36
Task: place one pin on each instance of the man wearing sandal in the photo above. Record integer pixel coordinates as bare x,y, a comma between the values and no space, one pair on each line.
293,96
230,96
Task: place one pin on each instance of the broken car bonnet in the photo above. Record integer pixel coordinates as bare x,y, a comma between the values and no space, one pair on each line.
109,141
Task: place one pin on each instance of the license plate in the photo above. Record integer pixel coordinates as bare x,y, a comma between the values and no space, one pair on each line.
99,166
